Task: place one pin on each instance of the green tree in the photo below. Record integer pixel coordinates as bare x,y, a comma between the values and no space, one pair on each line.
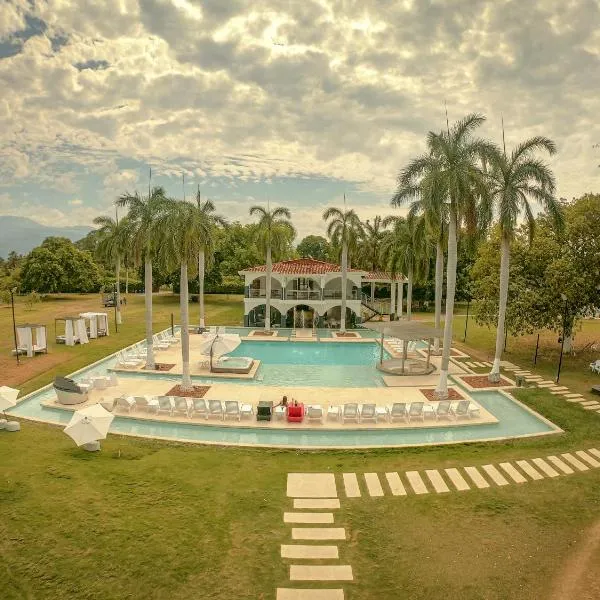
343,229
275,231
314,246
371,242
513,181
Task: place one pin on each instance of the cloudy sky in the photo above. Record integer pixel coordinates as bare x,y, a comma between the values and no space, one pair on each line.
295,102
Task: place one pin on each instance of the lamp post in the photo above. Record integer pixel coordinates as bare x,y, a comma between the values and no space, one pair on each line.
467,320
12,302
562,342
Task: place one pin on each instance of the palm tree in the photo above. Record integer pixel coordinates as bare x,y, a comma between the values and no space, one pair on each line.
343,229
455,158
514,180
427,199
143,212
373,235
112,239
406,250
183,231
207,210
274,234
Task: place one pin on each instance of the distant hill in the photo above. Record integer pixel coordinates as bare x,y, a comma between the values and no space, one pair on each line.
22,235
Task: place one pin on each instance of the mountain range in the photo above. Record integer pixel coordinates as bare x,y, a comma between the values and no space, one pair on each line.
22,235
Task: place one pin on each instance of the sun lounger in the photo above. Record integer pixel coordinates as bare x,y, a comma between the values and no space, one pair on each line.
295,413
350,413
333,412
112,380
148,403
199,408
595,366
314,412
246,409
232,409
398,411
181,406
126,403
165,404
215,409
443,410
168,338
158,345
128,363
108,405
464,409
368,412
416,411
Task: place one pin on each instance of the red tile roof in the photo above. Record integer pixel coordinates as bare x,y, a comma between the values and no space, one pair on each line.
301,266
382,275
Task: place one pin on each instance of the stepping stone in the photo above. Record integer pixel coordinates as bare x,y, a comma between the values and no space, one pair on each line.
564,467
476,477
495,475
395,484
487,364
590,460
438,483
529,470
291,517
417,484
575,462
594,406
373,485
588,402
318,533
321,573
542,465
544,384
351,485
561,388
298,594
533,378
457,479
309,552
317,503
512,472
594,452
574,395
576,399
311,485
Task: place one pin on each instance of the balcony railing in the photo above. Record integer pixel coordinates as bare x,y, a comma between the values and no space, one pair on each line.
303,294
254,293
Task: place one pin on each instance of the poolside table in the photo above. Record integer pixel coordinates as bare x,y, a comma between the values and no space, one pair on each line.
264,410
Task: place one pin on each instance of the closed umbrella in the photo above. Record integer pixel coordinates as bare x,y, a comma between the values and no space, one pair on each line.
218,344
89,425
8,399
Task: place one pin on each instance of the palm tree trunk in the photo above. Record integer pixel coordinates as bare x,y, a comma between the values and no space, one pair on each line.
392,300
494,375
441,391
118,289
400,300
126,276
148,303
201,287
409,293
186,381
344,286
439,282
268,291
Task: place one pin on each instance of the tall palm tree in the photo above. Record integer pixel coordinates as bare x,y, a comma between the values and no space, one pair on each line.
183,229
513,181
343,229
207,209
406,250
112,239
143,212
456,157
427,199
275,232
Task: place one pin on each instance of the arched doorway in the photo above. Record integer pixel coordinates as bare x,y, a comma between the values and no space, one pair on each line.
256,316
300,316
332,317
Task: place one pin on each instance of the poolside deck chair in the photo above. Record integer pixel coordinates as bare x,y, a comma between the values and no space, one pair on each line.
167,337
108,405
125,403
595,366
368,412
314,412
463,410
113,380
350,413
181,406
158,344
128,363
246,409
333,412
148,403
398,411
215,409
443,410
416,411
199,408
165,404
232,409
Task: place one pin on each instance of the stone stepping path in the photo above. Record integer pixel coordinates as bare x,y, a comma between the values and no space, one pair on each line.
395,483
529,470
439,485
373,485
351,485
416,482
541,464
477,477
512,472
564,467
321,573
309,552
457,479
318,533
309,594
308,517
302,503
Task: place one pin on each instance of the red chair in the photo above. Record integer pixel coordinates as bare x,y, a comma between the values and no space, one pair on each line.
295,414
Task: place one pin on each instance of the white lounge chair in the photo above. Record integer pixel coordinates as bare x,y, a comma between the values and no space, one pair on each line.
350,413
126,403
112,380
181,406
165,336
232,409
333,412
165,404
314,412
199,408
128,363
463,409
246,410
108,405
368,412
158,344
215,408
595,366
443,410
398,411
148,403
416,411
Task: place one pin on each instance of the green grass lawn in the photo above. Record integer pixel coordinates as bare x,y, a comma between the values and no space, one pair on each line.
155,520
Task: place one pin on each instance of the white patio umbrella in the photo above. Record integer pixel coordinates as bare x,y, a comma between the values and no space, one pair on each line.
218,344
8,398
89,425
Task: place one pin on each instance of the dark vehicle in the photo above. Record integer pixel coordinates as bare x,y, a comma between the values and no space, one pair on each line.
109,300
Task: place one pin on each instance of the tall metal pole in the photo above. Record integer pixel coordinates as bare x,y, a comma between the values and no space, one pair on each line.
537,345
172,325
467,320
116,308
12,301
562,343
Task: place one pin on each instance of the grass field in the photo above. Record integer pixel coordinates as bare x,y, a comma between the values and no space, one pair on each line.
156,520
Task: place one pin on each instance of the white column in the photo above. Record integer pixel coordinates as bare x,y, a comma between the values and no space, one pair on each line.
372,292
399,299
392,298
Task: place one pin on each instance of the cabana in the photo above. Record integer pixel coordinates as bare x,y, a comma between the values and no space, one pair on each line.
98,324
31,339
75,332
406,331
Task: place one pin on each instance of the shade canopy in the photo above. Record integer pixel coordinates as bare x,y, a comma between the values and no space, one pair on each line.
218,344
89,425
8,397
406,330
